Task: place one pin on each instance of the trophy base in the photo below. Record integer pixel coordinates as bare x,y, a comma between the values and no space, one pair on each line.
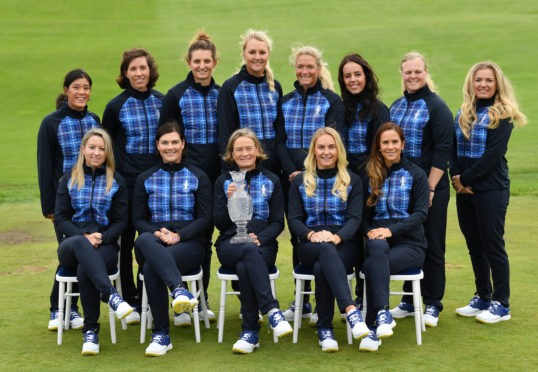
238,239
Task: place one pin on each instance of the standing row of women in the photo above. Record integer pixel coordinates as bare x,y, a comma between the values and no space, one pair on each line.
285,127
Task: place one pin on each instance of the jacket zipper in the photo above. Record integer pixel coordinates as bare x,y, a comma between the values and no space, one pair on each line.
147,125
388,196
325,200
91,195
261,111
206,123
170,197
302,124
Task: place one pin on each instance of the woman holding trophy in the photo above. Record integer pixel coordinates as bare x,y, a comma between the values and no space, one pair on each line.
260,196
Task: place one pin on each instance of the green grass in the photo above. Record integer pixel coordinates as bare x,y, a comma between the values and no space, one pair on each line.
41,41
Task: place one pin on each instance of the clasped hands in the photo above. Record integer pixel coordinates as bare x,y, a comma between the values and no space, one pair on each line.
460,189
95,239
379,233
166,236
324,236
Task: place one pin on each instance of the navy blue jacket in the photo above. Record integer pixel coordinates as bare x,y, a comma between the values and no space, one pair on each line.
428,127
58,146
91,209
359,135
246,101
195,108
480,160
132,119
325,211
267,220
304,114
403,205
174,196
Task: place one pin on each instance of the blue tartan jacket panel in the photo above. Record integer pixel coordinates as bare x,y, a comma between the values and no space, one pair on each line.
140,119
475,146
92,202
70,133
356,134
324,208
199,113
412,117
171,195
260,190
396,194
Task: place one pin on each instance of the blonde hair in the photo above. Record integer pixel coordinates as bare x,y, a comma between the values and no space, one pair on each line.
260,36
324,74
343,179
416,55
505,105
243,132
201,41
77,173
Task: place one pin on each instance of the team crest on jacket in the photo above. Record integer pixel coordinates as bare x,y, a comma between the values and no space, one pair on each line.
271,98
318,111
402,181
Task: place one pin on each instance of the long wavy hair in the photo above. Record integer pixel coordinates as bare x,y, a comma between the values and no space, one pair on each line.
505,105
343,178
243,132
324,74
416,55
367,97
201,41
260,36
376,168
77,173
127,58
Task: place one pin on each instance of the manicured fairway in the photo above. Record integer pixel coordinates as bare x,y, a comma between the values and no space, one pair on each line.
41,40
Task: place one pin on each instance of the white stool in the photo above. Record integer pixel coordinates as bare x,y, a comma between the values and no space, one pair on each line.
227,275
302,273
414,276
66,278
194,279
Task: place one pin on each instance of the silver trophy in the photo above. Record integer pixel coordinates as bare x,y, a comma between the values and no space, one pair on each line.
240,208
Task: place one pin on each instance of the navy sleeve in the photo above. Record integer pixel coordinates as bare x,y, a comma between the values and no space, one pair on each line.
496,147
420,195
281,138
336,115
140,208
275,222
47,151
112,123
202,213
170,109
221,218
354,210
382,115
441,121
227,115
296,212
453,164
63,212
119,212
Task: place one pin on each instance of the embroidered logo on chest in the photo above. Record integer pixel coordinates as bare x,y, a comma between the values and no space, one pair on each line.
270,98
417,114
186,185
402,182
263,191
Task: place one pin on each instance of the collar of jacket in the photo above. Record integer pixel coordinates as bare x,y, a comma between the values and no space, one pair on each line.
138,94
98,171
172,167
199,87
485,102
419,94
326,173
251,78
310,90
74,113
397,166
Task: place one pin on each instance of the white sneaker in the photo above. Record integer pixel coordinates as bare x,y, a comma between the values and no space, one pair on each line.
160,344
289,313
475,306
75,320
120,307
313,319
431,316
370,342
248,341
210,314
385,324
495,313
279,325
182,319
403,310
54,321
91,343
327,341
133,318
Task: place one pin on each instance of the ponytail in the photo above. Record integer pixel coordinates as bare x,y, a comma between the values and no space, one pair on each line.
324,74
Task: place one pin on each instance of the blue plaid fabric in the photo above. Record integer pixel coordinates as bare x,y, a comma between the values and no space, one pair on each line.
92,202
70,133
394,201
140,119
355,139
475,146
324,208
199,114
301,121
260,190
412,117
171,196
257,107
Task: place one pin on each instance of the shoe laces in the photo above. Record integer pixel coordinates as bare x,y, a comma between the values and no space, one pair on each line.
74,315
292,306
276,318
354,317
494,306
90,336
372,335
115,301
248,336
382,317
431,310
159,338
325,334
54,315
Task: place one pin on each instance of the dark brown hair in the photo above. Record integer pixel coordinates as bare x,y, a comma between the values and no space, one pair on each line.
68,80
128,57
201,41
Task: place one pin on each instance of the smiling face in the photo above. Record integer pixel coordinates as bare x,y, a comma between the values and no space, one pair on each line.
354,77
306,71
202,65
256,55
245,153
94,152
170,146
484,83
414,75
326,152
391,146
138,74
78,94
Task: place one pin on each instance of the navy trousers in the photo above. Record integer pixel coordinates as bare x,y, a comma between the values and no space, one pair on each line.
330,264
481,217
130,293
92,266
162,267
251,264
382,260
